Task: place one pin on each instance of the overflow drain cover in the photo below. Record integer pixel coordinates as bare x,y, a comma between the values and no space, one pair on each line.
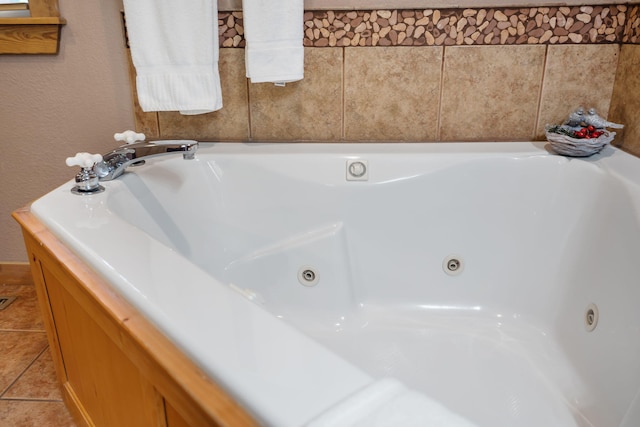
357,170
6,301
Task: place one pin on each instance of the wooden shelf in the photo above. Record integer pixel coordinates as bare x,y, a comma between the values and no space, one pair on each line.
37,34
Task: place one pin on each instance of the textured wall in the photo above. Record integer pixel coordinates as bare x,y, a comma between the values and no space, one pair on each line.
54,106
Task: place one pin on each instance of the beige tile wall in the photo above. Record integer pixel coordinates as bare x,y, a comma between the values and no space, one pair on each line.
625,107
392,93
310,109
577,75
229,123
426,93
491,92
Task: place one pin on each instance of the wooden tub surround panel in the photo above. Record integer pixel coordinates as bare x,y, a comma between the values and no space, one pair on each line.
114,366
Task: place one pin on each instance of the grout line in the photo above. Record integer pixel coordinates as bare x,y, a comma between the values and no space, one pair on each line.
30,400
440,96
249,133
22,373
540,92
615,78
343,131
16,284
24,330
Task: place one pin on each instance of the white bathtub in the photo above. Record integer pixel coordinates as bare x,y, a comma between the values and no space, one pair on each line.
211,250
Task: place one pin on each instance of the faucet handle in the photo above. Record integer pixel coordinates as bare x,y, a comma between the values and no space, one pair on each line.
84,160
87,182
129,136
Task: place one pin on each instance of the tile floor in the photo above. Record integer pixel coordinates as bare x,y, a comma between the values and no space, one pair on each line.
29,394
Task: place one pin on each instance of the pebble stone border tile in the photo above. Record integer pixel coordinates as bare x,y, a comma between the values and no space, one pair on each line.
447,27
632,28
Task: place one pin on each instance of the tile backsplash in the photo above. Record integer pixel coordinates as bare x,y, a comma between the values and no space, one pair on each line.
427,75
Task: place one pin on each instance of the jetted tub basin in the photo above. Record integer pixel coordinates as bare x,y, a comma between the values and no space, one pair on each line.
498,279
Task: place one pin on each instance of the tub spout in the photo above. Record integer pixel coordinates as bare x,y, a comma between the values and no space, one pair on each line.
114,163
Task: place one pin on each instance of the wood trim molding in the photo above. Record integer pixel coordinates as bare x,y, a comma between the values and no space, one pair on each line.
15,273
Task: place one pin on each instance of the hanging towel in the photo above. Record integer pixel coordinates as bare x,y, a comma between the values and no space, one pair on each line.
273,32
174,48
388,403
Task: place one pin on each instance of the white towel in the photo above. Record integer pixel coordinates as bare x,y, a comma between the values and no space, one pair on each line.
174,48
388,403
273,32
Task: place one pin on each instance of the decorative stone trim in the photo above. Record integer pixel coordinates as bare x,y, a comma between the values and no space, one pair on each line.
231,30
552,25
632,26
446,27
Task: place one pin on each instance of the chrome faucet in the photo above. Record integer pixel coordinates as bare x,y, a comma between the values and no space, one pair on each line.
113,164
96,168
